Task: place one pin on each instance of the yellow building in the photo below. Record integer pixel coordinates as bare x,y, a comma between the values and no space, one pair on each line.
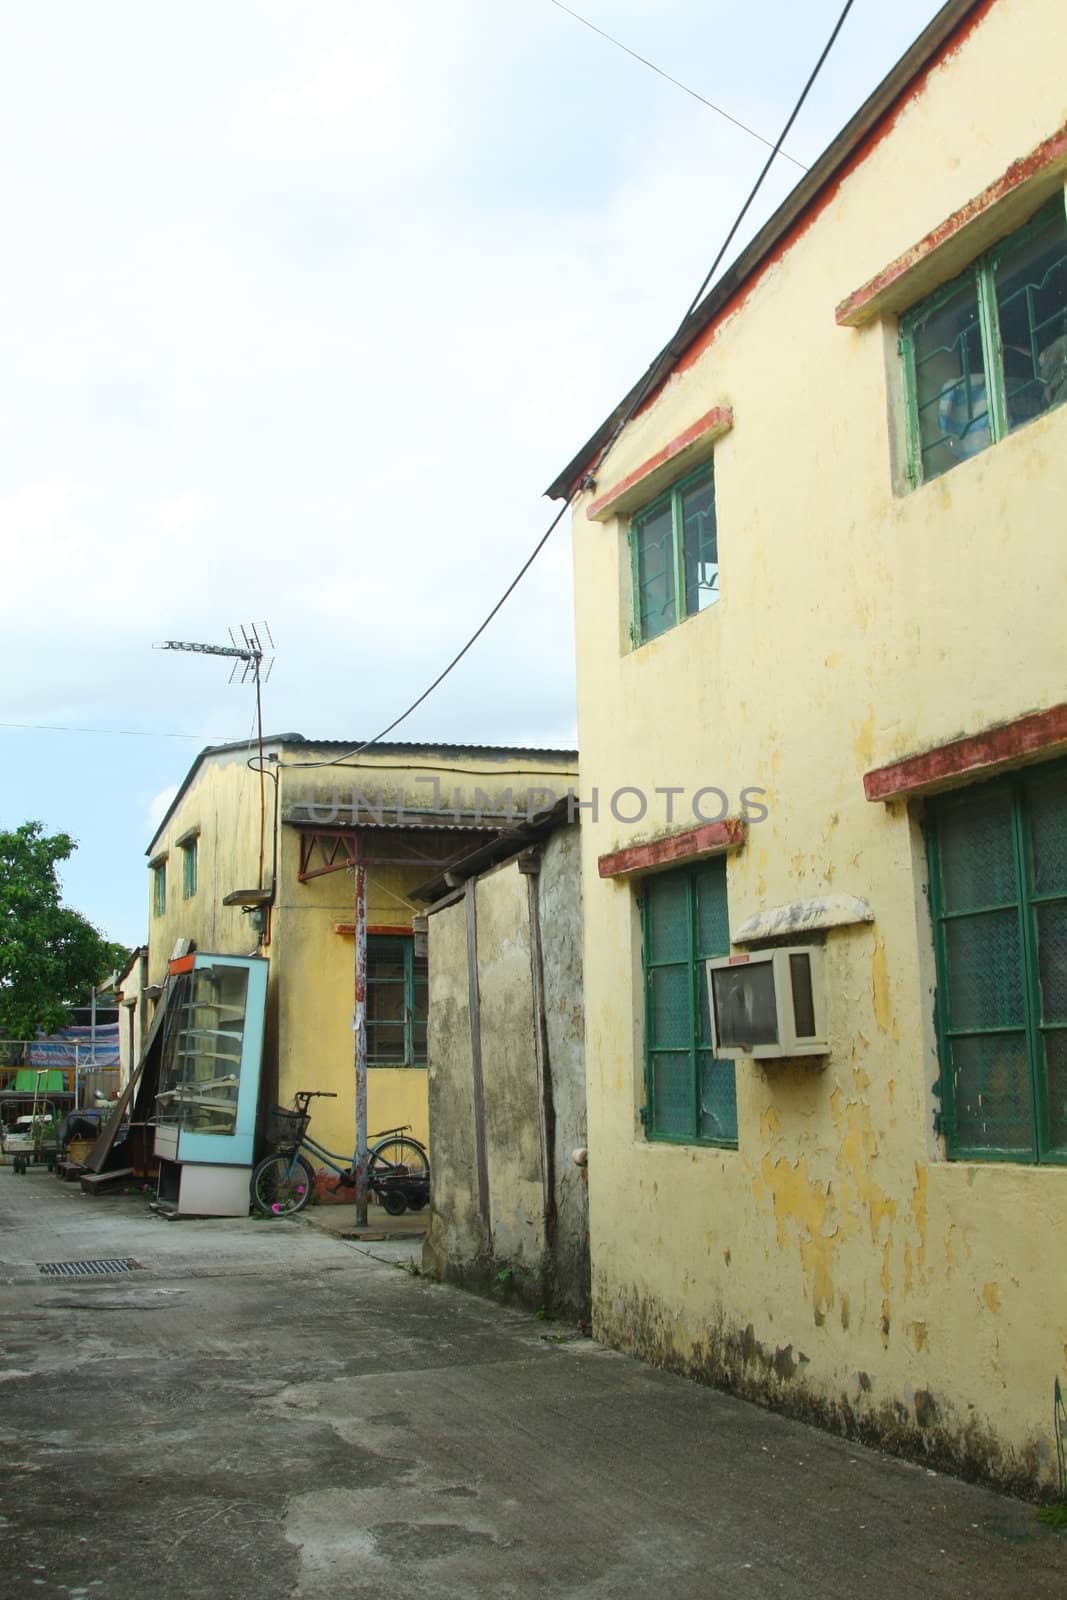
821,593
250,862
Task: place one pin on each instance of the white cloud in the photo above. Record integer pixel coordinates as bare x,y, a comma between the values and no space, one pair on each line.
158,807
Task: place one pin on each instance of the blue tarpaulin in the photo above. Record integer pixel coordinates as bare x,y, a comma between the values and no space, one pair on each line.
72,1047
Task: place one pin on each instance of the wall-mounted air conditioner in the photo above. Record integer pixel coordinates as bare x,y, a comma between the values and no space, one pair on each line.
768,1004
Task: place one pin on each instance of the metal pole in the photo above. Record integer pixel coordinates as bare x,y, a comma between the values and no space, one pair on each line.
360,1024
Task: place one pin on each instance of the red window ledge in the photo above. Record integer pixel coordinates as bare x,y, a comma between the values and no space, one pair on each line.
712,839
954,243
1038,733
641,485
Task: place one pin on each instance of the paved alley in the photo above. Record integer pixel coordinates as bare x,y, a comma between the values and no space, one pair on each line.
262,1408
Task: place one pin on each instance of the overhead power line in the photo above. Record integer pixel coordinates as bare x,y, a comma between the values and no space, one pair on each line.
134,733
678,84
637,399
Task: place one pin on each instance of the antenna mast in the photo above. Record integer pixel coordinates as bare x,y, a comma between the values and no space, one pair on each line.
249,655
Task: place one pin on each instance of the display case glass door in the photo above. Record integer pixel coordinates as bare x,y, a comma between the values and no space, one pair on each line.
209,1080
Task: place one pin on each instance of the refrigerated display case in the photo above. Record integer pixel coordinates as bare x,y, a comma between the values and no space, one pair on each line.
208,1095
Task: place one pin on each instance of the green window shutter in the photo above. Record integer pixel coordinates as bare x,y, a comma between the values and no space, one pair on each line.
1027,279
656,606
700,559
998,875
397,992
1044,797
189,870
690,1096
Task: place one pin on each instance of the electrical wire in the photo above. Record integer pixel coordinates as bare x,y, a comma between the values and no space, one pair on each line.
652,377
136,733
338,761
678,84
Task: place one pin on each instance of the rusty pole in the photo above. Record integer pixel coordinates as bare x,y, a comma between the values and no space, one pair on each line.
359,1024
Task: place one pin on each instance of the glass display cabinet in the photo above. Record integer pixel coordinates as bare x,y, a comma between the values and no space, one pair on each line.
208,1095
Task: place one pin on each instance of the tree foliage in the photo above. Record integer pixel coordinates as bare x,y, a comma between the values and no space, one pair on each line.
50,955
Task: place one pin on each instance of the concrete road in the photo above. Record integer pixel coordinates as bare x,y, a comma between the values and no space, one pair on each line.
262,1409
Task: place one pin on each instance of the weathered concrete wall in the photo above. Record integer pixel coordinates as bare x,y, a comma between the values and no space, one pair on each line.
457,1237
509,1239
560,904
135,1013
835,1263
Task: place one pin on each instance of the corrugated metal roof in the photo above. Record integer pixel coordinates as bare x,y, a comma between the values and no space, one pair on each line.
285,741
406,822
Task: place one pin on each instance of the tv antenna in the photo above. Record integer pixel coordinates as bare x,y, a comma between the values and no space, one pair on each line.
248,655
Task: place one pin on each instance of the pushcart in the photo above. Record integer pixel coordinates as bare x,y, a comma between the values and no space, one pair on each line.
34,1139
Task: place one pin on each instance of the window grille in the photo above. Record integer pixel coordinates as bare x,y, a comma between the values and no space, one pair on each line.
988,351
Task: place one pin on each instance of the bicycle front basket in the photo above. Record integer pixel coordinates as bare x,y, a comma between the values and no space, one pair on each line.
284,1126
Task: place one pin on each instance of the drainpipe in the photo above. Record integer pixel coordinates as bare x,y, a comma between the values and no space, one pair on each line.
360,1026
529,864
474,1006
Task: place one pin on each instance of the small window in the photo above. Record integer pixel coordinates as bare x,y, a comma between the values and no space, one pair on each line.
189,869
396,1002
998,889
690,1096
988,352
675,556
159,888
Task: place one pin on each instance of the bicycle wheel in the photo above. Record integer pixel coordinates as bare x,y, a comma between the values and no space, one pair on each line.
398,1158
282,1185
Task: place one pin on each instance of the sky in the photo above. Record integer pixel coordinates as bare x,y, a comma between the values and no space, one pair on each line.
304,307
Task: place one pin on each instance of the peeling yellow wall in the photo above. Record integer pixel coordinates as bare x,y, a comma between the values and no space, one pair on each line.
836,1260
316,999
223,802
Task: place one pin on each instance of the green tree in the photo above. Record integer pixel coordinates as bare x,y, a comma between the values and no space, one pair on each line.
50,955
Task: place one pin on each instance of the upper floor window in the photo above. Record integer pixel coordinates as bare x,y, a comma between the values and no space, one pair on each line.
988,351
998,889
690,1096
675,555
159,887
189,869
397,994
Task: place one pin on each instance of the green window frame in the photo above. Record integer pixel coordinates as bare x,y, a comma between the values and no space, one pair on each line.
397,998
987,352
998,896
189,865
690,1096
674,556
159,888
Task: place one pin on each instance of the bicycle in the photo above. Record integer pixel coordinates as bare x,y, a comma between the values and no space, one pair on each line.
398,1166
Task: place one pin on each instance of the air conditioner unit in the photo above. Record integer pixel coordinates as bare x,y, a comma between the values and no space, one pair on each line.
768,1004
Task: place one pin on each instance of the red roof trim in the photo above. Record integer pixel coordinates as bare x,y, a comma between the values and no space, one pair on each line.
1034,734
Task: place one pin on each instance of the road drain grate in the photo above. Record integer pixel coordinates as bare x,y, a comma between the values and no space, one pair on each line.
87,1269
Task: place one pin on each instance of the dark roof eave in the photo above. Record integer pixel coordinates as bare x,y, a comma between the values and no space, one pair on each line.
505,846
833,158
